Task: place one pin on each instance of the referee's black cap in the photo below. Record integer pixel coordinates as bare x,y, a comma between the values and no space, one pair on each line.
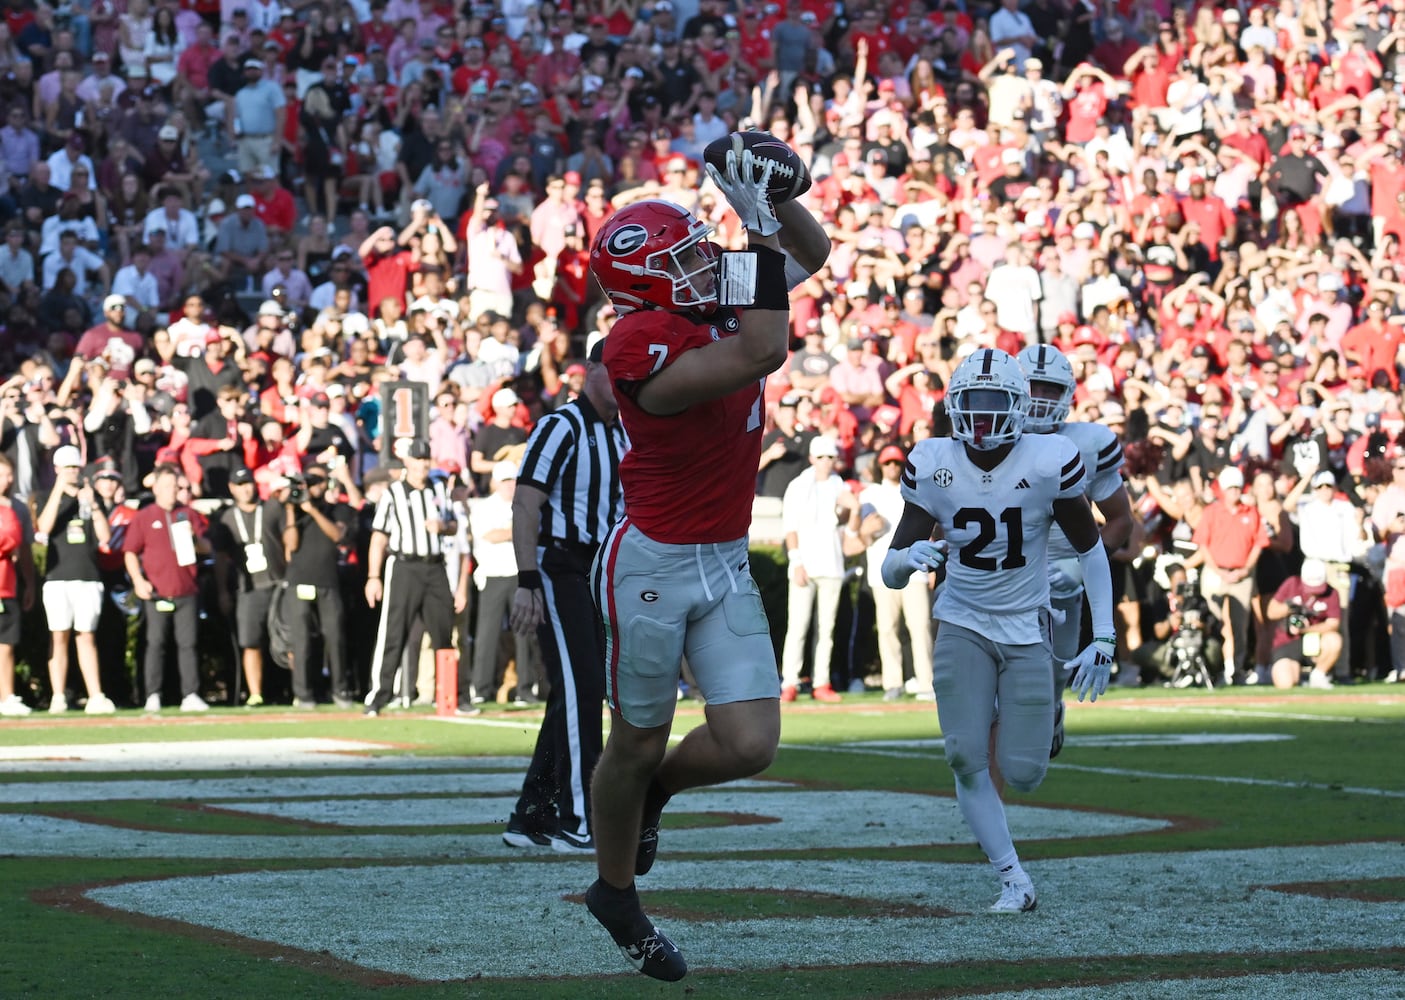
418,449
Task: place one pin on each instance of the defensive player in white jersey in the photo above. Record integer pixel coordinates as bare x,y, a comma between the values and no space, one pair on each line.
1051,383
992,495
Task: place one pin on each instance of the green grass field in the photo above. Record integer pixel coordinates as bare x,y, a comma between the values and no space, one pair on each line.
1185,844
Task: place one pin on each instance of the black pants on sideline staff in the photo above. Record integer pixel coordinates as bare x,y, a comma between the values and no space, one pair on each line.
494,602
573,651
308,619
411,587
160,625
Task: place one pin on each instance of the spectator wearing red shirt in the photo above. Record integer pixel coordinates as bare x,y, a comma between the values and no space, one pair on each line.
1248,139
272,203
1151,79
1375,344
15,562
387,269
377,31
1359,68
162,550
1210,213
1387,185
1115,50
1085,93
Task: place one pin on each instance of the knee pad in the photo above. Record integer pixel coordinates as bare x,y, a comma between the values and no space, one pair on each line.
1024,774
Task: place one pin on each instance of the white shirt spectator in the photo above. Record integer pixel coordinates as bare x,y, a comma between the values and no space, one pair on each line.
492,513
61,170
324,296
808,509
136,287
83,263
86,229
16,266
1010,24
182,232
1015,288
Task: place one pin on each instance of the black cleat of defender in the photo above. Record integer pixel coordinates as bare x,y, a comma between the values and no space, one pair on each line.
645,947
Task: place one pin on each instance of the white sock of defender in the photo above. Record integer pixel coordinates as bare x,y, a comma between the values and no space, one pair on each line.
985,815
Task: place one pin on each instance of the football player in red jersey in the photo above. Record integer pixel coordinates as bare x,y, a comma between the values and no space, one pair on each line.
688,368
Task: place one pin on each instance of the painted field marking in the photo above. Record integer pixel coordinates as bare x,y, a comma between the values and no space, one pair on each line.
1248,713
1098,740
753,821
1222,779
1378,984
1204,902
192,755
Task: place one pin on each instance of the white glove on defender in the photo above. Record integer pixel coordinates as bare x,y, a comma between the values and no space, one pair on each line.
919,557
1092,668
749,199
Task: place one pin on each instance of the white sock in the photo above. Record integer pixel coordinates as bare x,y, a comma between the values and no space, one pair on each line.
1008,867
985,815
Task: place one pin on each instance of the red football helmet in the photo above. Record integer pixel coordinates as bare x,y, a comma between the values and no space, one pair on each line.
641,258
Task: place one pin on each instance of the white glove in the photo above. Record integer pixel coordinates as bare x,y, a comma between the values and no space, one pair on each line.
919,557
748,198
1092,668
1060,582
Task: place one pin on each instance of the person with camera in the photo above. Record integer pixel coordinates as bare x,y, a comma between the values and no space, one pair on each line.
1184,646
313,529
75,525
1307,616
249,564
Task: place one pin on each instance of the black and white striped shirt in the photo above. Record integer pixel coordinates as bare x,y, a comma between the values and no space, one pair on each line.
401,515
573,456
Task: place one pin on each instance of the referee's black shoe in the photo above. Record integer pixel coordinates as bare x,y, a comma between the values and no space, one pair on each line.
646,947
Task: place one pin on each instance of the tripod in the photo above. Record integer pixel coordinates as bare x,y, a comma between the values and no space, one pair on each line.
1188,664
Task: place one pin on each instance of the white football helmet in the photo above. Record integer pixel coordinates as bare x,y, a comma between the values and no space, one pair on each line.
988,400
1042,363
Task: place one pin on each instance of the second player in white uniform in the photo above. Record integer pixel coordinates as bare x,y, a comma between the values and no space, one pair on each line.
993,496
1051,383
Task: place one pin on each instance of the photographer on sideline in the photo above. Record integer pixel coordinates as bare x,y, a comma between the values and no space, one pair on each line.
1183,629
1307,617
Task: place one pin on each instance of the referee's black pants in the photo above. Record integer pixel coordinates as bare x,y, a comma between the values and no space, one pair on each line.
569,744
409,588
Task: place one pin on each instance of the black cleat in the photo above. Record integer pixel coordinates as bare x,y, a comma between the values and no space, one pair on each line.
1058,743
648,848
646,947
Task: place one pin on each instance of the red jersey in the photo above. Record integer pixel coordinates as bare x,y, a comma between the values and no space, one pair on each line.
688,477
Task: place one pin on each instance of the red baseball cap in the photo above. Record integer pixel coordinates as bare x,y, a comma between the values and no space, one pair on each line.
887,415
892,453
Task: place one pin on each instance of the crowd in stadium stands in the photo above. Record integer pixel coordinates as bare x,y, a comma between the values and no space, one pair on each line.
228,223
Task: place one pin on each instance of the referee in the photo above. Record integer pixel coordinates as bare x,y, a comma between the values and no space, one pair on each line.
405,570
568,495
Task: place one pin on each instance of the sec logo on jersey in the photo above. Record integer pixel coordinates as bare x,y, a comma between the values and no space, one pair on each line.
942,478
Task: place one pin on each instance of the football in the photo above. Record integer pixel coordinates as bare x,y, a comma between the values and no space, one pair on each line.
789,177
